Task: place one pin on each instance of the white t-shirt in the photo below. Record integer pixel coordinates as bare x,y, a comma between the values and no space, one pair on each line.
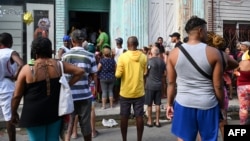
118,52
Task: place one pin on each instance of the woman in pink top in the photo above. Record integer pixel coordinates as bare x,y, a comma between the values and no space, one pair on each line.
243,90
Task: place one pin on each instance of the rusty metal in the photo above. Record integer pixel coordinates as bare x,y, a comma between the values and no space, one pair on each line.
232,35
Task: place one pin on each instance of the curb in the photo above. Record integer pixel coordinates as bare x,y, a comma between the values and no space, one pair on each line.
232,109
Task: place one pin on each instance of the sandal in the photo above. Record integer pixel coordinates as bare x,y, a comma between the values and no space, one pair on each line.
157,125
95,135
74,136
149,125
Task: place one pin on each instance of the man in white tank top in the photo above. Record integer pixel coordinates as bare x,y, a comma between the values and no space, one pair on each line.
196,106
10,65
116,52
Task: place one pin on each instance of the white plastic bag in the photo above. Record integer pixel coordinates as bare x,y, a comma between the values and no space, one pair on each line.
66,104
109,123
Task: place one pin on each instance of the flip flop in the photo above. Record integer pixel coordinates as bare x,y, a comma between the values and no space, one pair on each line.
159,125
149,125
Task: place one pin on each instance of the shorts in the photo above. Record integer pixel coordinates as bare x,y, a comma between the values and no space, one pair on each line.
153,96
5,105
187,122
137,103
83,110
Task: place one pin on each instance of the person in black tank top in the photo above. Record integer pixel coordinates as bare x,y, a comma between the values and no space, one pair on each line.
39,86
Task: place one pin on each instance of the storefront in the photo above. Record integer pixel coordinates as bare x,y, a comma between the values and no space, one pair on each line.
12,20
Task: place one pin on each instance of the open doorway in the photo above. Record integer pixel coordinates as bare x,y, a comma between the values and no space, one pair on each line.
91,21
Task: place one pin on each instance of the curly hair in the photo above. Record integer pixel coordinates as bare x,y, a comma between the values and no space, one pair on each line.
193,22
215,40
41,47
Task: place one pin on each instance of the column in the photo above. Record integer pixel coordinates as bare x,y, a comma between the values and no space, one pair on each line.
129,18
61,22
199,8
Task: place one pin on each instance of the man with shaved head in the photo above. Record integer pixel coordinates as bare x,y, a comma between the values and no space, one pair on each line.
131,67
155,71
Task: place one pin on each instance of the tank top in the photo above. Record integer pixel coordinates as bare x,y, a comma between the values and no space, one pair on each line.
6,70
118,52
38,107
244,78
193,89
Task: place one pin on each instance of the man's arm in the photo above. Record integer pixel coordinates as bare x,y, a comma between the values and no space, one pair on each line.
217,78
16,58
171,73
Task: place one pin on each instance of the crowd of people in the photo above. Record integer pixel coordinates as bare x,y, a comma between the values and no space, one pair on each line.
197,77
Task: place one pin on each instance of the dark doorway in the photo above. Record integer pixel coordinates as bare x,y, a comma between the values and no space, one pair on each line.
91,21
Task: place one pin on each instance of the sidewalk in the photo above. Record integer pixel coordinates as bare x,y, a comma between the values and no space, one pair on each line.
113,113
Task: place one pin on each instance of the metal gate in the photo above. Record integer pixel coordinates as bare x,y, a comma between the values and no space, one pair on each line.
234,33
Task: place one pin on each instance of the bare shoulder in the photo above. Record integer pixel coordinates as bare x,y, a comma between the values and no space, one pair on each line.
173,55
25,70
213,52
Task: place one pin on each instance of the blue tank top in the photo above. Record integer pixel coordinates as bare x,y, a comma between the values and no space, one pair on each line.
193,89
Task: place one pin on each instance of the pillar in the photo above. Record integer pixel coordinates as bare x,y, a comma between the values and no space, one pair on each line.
61,22
129,18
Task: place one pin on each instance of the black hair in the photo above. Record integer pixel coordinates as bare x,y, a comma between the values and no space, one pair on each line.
185,40
6,39
41,47
157,44
159,38
133,41
193,22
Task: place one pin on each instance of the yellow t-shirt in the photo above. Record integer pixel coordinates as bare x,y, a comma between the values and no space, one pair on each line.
131,67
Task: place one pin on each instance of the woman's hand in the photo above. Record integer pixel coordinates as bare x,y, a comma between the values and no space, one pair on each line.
15,118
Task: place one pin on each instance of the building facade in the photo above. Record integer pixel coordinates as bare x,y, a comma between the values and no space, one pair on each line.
146,19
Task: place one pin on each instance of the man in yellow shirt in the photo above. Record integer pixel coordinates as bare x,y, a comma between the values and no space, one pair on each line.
131,67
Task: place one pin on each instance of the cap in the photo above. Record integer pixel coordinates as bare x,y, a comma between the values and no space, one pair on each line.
175,34
78,35
66,38
245,43
119,40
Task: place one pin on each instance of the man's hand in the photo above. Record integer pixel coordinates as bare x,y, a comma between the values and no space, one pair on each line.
170,112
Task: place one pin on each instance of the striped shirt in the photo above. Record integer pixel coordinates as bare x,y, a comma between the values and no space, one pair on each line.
79,57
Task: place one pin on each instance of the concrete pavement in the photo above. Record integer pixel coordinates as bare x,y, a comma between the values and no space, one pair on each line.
113,134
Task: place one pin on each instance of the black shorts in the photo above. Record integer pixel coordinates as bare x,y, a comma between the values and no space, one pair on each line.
152,96
137,103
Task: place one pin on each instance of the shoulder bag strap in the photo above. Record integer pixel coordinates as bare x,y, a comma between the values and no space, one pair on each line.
193,62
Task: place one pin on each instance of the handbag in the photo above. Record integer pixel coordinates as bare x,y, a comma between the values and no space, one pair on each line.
66,103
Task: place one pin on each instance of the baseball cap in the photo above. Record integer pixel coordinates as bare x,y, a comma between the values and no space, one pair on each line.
66,38
78,35
119,40
245,43
175,34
